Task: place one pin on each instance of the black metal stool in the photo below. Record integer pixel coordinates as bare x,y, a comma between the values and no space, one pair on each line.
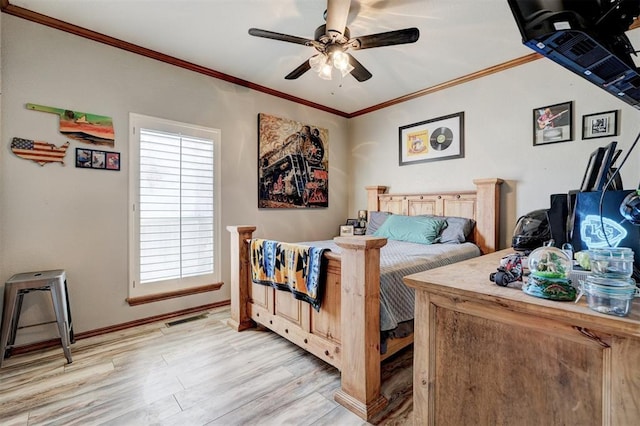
14,290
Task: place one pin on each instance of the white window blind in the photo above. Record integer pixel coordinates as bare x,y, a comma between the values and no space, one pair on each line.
174,240
176,206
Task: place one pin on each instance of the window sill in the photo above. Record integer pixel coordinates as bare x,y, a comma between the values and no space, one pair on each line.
134,301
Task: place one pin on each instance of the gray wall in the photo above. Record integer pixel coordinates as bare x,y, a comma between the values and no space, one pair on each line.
63,217
75,219
498,140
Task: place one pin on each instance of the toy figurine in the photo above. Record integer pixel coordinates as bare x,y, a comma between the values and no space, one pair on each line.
510,270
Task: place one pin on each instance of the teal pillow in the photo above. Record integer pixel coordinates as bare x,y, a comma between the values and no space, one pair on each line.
413,229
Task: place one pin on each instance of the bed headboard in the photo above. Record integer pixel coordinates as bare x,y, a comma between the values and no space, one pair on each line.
481,205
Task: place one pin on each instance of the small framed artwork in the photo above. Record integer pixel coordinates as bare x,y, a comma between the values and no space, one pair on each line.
600,125
83,158
553,123
437,139
113,161
346,230
361,230
97,159
352,222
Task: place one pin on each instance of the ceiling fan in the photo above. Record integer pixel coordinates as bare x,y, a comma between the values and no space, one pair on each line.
332,41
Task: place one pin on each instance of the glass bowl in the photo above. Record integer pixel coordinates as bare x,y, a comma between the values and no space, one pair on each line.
613,262
609,296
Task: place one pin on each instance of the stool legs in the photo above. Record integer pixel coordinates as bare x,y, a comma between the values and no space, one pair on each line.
72,337
62,317
7,317
15,320
20,284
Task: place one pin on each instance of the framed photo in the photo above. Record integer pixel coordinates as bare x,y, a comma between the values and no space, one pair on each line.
352,222
437,139
346,230
83,158
553,123
97,159
600,125
113,161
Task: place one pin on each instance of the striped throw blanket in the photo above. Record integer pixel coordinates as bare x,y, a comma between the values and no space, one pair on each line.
290,267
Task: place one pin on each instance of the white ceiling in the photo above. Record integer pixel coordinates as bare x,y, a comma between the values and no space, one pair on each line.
457,38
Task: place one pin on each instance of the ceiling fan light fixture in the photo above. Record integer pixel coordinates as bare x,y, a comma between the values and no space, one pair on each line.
317,61
333,39
340,60
325,71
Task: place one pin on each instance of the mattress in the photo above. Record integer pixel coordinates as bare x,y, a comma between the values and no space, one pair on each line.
398,259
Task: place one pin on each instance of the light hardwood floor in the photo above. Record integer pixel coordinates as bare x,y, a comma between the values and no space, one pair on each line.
194,373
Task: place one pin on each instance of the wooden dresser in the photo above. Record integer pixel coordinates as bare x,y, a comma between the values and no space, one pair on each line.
491,355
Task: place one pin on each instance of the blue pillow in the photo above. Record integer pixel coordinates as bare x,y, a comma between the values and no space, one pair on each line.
413,229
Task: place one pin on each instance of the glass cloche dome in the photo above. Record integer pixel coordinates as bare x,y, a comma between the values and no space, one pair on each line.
549,269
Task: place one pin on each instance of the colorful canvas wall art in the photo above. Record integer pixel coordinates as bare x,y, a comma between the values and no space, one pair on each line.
40,152
81,126
293,164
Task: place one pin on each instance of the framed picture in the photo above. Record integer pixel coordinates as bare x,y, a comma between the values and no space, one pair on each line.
83,158
293,164
352,222
553,123
113,161
346,230
600,125
97,159
437,139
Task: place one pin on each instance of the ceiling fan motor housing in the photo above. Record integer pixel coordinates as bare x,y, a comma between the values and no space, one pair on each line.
321,36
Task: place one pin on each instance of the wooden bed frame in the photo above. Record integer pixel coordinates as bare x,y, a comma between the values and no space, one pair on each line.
352,293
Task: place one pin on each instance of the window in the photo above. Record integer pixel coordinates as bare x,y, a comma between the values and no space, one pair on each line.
175,232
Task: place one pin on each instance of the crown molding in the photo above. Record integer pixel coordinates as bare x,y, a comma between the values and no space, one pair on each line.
48,21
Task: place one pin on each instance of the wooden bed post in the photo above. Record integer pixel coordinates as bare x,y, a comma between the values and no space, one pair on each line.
240,277
360,319
373,203
488,213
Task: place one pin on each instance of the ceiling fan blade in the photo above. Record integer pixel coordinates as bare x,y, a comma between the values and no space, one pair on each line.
408,35
304,67
278,36
337,13
359,72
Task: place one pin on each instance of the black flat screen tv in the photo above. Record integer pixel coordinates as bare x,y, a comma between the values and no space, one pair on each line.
586,37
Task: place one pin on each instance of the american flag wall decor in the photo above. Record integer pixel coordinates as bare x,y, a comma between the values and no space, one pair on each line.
40,152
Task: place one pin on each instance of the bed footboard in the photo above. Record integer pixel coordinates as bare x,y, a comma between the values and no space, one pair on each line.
345,332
